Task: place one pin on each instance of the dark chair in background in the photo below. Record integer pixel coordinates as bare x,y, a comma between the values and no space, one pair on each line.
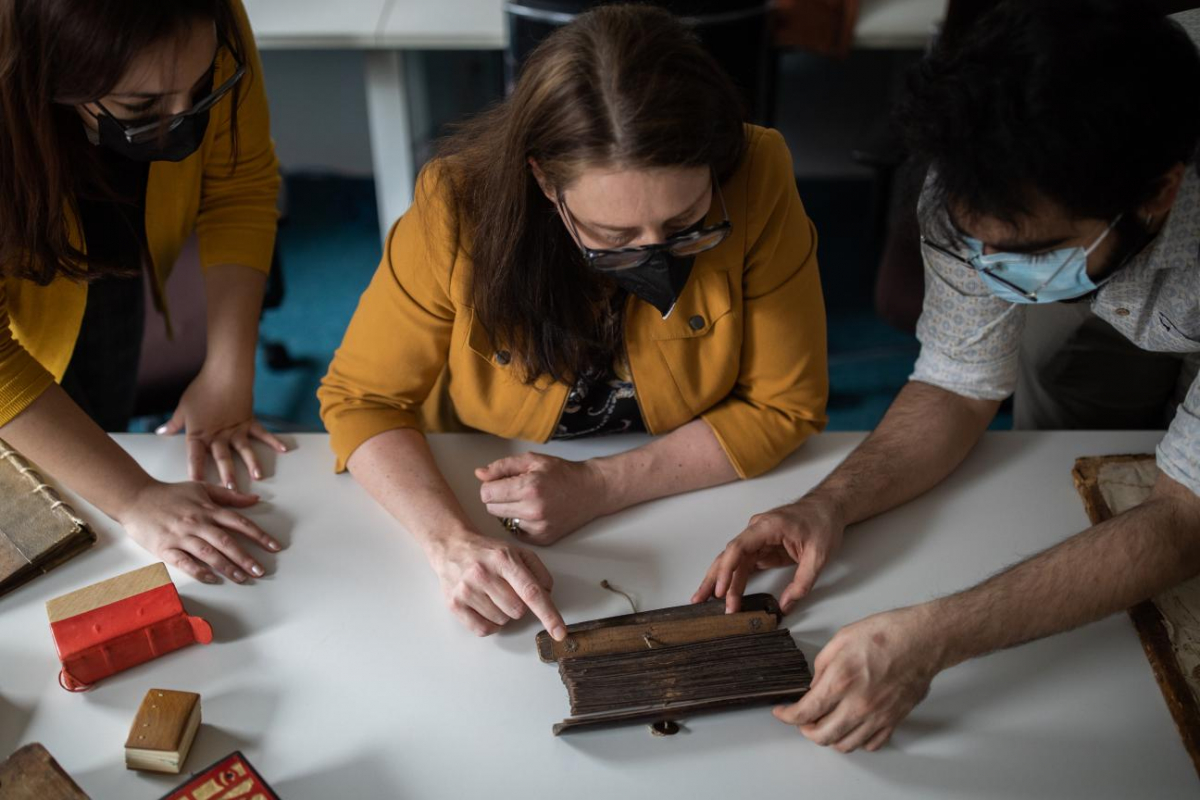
736,32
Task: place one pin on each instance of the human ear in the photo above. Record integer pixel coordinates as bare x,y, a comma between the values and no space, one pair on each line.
1168,190
542,181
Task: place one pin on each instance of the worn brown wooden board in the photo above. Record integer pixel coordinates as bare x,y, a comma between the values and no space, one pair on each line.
31,773
764,603
677,711
1147,619
162,731
627,638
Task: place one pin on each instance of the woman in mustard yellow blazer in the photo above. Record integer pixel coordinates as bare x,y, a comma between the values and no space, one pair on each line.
125,126
609,250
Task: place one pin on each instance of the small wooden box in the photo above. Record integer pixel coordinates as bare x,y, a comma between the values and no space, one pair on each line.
163,731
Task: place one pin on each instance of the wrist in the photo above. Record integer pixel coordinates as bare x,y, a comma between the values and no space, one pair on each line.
125,499
438,543
606,480
834,503
941,633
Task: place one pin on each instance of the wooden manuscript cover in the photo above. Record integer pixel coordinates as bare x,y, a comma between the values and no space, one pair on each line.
38,531
659,666
1168,624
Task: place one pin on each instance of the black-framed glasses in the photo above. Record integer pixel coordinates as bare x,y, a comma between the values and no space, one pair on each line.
139,134
682,245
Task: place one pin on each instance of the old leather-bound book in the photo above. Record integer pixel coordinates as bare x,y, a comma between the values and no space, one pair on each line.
116,624
38,531
163,730
231,777
661,666
31,773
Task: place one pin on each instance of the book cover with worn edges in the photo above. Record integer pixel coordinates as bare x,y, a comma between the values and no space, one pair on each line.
38,529
31,773
231,777
116,624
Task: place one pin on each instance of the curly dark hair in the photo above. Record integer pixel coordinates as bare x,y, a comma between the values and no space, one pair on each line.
1086,103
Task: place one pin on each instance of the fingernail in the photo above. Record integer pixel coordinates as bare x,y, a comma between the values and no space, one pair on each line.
559,633
160,430
208,577
238,575
273,545
256,569
231,487
258,474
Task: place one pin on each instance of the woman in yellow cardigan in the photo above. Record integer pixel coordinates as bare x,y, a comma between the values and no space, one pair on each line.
126,125
609,250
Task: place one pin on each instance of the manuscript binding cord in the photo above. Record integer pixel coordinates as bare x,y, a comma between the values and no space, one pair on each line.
38,529
659,666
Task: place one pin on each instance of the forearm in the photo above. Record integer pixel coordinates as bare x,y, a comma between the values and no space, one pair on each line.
234,296
62,440
397,468
687,459
926,433
1105,569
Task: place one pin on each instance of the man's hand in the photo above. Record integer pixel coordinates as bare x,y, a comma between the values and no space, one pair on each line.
805,533
868,678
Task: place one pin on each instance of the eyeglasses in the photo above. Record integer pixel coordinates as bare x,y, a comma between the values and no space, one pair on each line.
682,245
139,134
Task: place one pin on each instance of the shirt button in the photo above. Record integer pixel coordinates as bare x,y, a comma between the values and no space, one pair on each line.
503,357
696,323
1122,312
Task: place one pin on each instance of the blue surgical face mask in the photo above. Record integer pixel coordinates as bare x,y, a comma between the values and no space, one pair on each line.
1048,277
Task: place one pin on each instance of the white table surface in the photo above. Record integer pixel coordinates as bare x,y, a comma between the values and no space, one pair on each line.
342,675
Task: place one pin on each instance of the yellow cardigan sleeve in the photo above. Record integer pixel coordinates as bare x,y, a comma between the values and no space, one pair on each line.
398,341
22,378
783,385
238,200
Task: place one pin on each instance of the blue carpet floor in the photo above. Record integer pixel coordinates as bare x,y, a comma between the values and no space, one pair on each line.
330,248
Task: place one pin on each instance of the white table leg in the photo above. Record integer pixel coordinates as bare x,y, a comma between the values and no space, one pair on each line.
391,135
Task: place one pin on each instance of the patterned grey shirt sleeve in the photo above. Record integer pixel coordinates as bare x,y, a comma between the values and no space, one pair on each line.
969,337
1178,454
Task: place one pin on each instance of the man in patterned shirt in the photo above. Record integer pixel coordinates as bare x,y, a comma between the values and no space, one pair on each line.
1061,138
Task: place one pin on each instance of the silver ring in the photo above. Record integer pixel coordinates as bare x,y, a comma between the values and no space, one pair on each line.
512,525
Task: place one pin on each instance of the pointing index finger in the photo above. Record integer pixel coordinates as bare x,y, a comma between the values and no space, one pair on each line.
530,590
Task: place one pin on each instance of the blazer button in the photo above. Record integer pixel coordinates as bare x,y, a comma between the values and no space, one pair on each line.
696,323
503,357
1122,312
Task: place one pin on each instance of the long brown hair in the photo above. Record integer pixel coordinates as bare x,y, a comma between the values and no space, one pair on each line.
623,85
55,54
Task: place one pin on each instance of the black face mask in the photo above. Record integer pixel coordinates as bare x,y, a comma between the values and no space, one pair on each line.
659,281
174,145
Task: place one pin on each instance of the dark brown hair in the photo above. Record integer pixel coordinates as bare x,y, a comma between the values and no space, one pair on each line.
55,54
620,85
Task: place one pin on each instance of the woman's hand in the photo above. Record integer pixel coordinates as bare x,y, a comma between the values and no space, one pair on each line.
192,526
488,583
217,413
550,496
805,533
